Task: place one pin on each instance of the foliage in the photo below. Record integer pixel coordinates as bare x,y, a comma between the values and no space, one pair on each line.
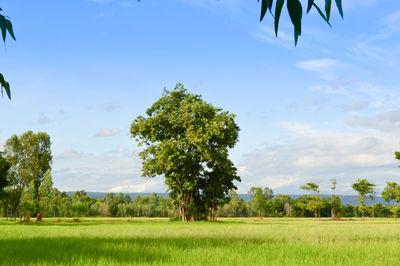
4,167
259,200
295,11
6,27
392,193
364,189
187,140
313,202
30,157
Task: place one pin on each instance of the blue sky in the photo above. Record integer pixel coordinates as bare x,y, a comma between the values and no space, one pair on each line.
82,70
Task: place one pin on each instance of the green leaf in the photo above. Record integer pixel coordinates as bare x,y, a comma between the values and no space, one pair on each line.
339,6
322,14
4,84
278,10
3,27
328,4
270,3
10,28
309,6
295,12
264,8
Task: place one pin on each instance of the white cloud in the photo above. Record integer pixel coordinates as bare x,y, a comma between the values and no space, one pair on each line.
107,132
319,65
148,186
392,21
111,107
300,128
356,106
73,170
119,150
267,34
319,156
326,67
43,120
386,122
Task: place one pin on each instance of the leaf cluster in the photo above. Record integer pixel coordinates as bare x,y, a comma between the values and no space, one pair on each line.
6,27
295,11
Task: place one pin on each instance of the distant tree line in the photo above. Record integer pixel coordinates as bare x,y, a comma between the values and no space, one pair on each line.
53,203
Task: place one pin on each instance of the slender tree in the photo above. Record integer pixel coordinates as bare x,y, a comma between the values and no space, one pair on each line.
259,201
314,201
335,200
392,193
364,189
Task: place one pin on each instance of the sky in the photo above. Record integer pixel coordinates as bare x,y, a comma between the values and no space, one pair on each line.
83,70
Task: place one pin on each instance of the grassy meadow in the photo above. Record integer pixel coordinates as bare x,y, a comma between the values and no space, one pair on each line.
273,241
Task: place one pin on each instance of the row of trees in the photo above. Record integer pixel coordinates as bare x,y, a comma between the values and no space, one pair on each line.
265,204
54,203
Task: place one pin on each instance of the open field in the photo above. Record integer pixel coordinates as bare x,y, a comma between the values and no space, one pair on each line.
228,242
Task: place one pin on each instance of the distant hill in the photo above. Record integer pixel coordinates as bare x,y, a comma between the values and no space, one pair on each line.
346,199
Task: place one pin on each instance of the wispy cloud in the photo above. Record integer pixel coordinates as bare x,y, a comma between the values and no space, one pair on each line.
107,132
267,34
356,106
107,107
317,155
326,67
74,170
386,122
148,186
44,120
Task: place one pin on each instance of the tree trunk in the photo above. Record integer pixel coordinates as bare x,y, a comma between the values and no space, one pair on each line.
39,217
333,213
212,213
373,214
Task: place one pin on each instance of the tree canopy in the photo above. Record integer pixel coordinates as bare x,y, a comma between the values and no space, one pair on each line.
187,140
30,157
364,189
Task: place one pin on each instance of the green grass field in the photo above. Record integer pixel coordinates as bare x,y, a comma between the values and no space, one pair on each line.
228,242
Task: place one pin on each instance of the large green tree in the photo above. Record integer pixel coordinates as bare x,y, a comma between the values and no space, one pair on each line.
365,189
30,157
184,138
